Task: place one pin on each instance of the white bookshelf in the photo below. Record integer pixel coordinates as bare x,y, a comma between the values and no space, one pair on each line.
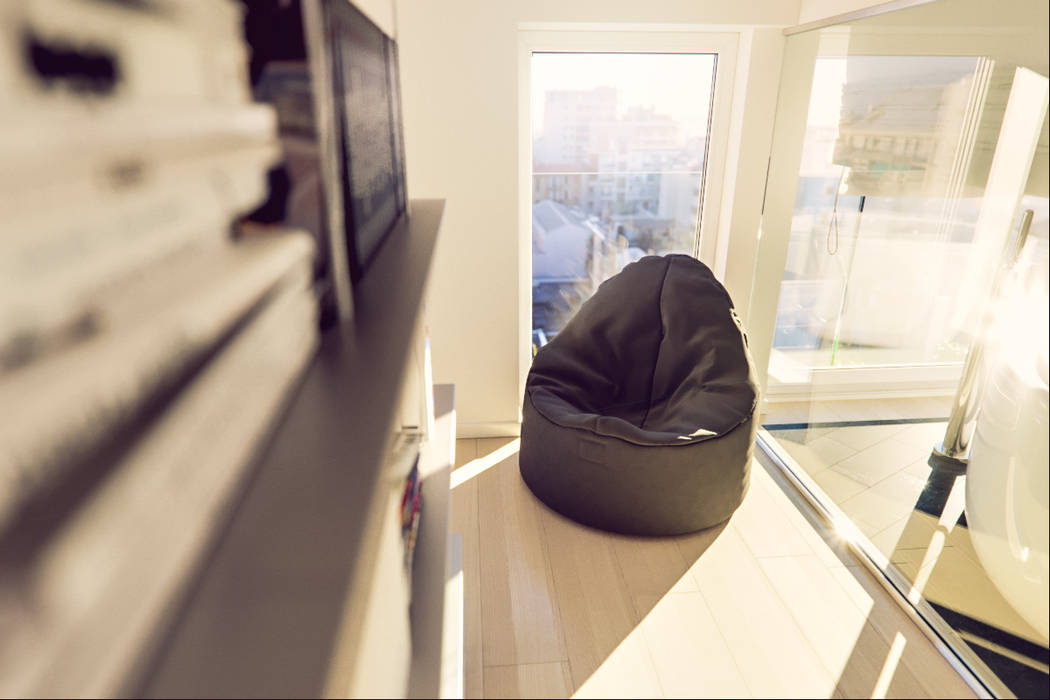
437,574
297,598
192,502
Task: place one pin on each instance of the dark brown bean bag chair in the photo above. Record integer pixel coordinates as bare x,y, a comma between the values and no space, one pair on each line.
639,415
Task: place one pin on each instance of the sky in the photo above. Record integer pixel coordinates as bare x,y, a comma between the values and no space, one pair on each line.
678,85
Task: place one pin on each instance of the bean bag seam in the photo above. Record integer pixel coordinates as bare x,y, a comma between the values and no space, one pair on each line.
659,347
679,443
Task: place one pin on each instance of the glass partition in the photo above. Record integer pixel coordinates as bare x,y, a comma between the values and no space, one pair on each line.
879,214
907,148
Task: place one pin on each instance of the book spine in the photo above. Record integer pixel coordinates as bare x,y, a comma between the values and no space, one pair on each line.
61,408
53,266
71,54
131,549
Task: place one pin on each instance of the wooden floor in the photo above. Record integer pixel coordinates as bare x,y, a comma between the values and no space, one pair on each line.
767,605
872,463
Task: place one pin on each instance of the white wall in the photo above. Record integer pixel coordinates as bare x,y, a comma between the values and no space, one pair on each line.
814,10
459,72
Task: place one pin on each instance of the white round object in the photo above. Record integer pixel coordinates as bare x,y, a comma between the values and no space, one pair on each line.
1007,476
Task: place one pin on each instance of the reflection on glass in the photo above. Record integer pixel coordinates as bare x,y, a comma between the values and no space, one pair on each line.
921,146
884,214
956,543
618,164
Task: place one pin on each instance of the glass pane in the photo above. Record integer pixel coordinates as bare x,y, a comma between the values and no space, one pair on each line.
900,173
618,164
884,214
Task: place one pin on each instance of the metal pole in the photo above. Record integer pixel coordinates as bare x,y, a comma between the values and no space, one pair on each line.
953,452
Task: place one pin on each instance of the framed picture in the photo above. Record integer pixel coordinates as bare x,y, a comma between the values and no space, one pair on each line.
367,116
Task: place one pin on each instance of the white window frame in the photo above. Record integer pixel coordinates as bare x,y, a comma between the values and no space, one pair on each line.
620,39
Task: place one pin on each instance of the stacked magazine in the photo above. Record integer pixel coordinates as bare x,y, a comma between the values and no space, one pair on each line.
145,346
411,509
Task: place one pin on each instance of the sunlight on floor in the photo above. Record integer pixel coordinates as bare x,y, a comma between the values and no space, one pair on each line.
768,605
890,667
664,639
626,673
471,469
952,510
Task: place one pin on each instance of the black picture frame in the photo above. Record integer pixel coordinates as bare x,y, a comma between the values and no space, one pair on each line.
367,105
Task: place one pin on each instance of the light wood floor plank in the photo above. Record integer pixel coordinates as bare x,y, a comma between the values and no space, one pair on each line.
825,544
466,450
693,546
597,613
568,610
851,649
763,526
517,597
627,672
920,656
651,567
486,446
691,657
549,680
774,657
464,514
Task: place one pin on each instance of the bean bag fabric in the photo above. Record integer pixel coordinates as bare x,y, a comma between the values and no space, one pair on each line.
639,415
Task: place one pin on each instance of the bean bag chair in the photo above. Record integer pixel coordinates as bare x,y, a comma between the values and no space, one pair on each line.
639,416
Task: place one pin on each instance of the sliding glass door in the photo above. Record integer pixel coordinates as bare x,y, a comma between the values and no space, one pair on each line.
883,238
909,161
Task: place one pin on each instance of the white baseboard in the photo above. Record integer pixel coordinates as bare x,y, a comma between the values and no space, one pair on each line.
808,394
868,383
490,429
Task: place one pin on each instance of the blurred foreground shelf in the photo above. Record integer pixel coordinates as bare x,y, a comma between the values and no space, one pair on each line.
281,605
437,580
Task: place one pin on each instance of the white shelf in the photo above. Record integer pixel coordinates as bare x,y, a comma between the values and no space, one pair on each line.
278,608
432,571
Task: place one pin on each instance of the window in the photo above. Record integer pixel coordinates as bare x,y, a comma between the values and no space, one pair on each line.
626,147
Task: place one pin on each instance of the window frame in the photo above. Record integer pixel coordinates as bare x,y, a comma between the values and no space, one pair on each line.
619,39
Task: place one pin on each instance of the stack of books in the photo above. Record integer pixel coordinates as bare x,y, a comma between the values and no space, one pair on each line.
145,346
411,508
